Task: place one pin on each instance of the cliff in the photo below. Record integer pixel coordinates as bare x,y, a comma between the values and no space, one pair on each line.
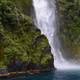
70,28
22,47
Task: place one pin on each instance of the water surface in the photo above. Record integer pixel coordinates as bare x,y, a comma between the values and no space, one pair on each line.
57,75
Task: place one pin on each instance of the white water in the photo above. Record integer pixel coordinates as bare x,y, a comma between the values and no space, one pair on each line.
45,11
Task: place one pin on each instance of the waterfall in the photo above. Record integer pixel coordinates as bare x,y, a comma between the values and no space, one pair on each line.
46,21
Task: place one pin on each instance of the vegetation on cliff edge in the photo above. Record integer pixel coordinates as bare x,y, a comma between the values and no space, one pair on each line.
20,41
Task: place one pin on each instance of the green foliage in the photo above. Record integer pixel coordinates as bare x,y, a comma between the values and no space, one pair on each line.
70,11
70,33
24,5
19,37
2,65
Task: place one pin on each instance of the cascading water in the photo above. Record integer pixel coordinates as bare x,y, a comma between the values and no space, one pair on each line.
46,21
